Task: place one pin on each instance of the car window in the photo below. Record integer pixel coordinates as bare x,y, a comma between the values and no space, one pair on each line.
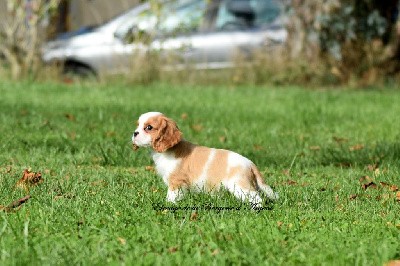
182,18
242,14
145,21
176,17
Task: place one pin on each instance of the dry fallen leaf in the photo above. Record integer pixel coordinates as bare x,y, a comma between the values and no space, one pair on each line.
193,216
8,169
365,178
197,127
368,185
173,249
352,197
70,117
15,204
356,147
340,139
100,183
390,187
315,148
257,147
122,241
135,147
215,252
149,168
184,116
291,182
367,182
372,167
29,179
286,172
398,196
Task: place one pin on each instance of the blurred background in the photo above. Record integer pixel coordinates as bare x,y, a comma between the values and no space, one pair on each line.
330,42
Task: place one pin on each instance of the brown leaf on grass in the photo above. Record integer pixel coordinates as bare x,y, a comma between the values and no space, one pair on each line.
184,116
286,172
193,216
365,178
57,197
390,187
314,148
149,168
8,169
215,252
372,167
100,183
336,197
353,197
394,188
15,204
70,117
291,182
222,139
398,196
29,179
340,139
122,241
368,185
257,147
367,182
197,127
356,147
173,249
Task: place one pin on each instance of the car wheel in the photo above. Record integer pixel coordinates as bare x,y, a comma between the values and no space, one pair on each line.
74,71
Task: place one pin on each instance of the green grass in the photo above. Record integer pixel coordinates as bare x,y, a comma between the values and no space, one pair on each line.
99,204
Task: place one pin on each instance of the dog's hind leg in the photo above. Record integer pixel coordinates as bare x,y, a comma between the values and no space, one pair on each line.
251,196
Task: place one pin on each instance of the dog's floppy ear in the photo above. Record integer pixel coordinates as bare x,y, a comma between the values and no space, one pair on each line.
168,135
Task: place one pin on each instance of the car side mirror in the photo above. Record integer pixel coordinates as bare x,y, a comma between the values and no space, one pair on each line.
241,8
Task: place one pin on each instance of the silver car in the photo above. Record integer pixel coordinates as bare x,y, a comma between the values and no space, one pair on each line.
205,34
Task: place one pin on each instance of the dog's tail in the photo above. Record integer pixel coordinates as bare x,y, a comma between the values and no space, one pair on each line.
262,185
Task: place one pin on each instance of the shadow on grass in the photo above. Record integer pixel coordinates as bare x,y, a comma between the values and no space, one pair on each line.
375,154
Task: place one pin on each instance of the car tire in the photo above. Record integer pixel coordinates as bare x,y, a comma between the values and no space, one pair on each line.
79,71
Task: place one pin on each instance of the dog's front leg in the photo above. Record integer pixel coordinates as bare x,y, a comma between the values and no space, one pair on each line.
174,195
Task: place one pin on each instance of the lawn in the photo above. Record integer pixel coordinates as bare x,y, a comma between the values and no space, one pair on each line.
333,156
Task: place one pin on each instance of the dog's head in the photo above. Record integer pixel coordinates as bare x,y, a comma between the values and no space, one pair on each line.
157,131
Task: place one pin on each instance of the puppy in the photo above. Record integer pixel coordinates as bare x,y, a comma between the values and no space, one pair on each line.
184,165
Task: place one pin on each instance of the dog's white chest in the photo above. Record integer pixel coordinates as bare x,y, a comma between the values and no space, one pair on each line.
165,164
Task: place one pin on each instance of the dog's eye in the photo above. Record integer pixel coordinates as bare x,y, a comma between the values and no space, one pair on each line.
149,127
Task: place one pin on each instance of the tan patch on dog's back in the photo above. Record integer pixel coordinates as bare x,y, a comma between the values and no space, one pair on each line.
218,169
198,162
191,167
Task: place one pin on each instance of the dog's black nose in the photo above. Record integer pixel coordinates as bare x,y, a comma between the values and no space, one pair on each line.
135,133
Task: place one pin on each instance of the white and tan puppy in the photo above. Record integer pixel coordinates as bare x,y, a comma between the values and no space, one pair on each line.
184,165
